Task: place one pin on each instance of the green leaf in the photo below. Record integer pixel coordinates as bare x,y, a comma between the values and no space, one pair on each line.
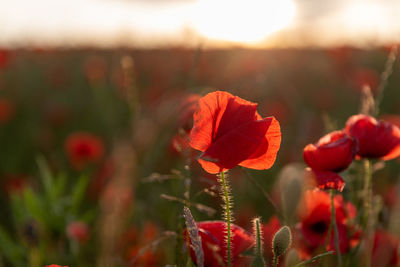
46,177
18,208
78,193
34,206
59,186
11,251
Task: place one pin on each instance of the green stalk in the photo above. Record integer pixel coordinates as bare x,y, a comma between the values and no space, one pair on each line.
369,211
228,214
275,261
335,229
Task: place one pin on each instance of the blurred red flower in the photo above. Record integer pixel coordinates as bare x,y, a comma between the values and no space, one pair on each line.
331,154
55,265
78,231
268,231
15,183
132,242
180,141
213,242
83,148
385,249
315,218
7,110
186,110
229,132
376,139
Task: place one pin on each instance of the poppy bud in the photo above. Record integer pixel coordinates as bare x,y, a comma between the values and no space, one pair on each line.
282,241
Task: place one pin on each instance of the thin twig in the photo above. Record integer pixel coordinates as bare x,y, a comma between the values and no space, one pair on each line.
384,77
313,259
165,235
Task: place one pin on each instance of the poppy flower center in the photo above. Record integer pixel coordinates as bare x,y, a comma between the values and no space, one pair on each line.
319,227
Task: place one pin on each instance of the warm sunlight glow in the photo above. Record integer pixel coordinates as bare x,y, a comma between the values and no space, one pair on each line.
366,16
241,21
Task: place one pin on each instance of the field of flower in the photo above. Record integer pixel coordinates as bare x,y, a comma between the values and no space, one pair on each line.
154,157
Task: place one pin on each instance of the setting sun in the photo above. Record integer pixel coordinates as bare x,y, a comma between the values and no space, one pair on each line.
241,21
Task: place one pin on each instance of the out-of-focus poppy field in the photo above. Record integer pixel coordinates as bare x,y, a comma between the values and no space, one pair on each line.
151,157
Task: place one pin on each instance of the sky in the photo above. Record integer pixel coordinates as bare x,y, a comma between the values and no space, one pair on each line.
213,23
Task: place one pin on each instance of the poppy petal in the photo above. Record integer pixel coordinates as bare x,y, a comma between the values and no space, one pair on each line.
264,157
217,114
333,152
237,145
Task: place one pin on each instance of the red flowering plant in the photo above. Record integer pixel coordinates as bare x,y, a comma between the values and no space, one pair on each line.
331,154
376,139
315,224
385,251
230,132
83,148
78,231
212,235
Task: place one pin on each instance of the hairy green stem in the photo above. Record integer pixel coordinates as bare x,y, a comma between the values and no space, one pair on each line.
335,229
258,237
228,215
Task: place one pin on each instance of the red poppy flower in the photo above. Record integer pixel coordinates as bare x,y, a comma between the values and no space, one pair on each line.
332,153
385,249
376,139
55,265
229,132
212,235
83,148
78,231
315,217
